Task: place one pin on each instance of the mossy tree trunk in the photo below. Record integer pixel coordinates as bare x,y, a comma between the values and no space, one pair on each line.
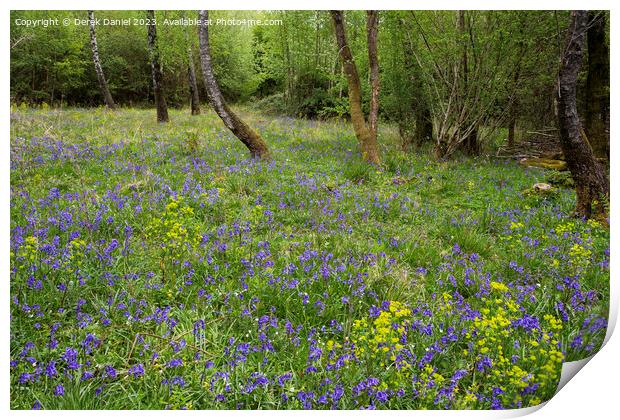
250,138
368,142
590,178
103,84
158,89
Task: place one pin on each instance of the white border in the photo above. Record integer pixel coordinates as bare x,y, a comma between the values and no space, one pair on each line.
591,395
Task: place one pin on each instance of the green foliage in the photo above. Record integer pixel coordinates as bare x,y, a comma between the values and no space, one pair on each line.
192,142
560,179
359,172
54,64
271,105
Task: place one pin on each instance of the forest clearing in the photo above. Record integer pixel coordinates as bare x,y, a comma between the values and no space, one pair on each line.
259,251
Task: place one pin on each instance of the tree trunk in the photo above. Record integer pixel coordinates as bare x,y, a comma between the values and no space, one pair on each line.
288,93
160,100
514,106
368,144
191,76
317,43
470,145
193,86
590,179
372,29
252,140
103,84
597,86
511,130
423,123
514,102
421,109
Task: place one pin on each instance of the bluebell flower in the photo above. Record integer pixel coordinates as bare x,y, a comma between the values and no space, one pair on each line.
283,378
175,363
484,363
59,390
109,372
136,370
70,357
50,369
382,396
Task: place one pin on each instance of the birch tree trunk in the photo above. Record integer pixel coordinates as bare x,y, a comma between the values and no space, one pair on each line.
160,100
590,179
103,84
252,140
368,144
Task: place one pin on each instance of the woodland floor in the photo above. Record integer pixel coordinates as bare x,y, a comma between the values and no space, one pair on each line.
153,266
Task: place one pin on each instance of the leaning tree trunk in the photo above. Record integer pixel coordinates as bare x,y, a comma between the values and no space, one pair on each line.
193,86
597,86
252,140
160,100
372,29
103,84
368,144
590,179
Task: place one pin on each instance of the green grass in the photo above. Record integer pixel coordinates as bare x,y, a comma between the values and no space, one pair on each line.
145,230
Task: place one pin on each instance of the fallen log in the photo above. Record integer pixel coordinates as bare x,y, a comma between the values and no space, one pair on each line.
558,165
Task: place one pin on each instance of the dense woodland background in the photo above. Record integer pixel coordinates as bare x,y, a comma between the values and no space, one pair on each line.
294,68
